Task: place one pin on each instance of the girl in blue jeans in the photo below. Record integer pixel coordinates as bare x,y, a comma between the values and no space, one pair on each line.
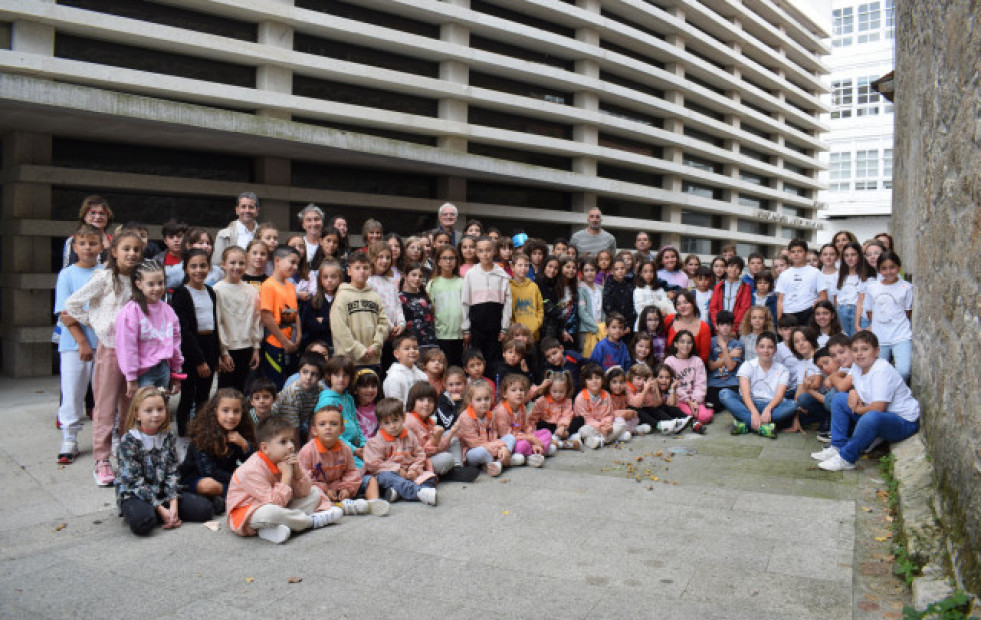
760,404
879,404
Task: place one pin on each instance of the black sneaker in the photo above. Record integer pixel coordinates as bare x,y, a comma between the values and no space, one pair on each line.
824,436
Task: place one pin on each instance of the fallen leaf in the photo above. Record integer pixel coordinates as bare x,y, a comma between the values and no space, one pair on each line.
655,478
294,580
249,579
58,528
639,459
504,480
890,519
505,512
866,509
881,538
214,526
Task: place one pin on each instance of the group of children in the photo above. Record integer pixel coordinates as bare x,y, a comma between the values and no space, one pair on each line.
372,374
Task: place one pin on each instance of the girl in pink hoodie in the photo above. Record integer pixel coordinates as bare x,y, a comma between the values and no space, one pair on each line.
148,334
692,379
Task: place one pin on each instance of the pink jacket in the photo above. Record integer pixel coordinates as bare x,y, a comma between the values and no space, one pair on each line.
330,468
256,483
508,421
636,398
477,432
692,380
422,429
386,453
594,414
145,340
559,414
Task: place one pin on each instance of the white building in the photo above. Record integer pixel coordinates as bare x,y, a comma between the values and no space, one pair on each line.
698,120
859,194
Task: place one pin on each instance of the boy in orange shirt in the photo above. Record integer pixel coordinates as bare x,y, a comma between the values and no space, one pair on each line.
280,315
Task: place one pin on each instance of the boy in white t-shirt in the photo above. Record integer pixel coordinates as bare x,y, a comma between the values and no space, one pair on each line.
799,287
879,403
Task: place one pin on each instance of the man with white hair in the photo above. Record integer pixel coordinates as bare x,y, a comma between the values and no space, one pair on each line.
312,222
593,239
447,216
241,231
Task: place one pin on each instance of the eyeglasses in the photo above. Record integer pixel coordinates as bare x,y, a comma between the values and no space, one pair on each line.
97,214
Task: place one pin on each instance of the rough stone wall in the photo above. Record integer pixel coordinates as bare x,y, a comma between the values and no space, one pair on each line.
937,222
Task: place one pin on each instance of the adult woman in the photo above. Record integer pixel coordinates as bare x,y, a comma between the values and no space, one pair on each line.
687,319
312,221
843,238
95,211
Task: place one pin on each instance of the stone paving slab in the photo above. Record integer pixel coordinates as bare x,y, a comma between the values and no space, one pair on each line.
745,528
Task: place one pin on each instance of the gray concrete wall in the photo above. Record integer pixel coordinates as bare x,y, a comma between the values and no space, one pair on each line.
937,222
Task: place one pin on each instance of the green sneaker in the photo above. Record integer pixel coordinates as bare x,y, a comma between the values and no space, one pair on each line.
768,430
739,428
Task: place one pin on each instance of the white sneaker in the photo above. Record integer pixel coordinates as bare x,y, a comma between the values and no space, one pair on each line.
354,506
836,463
552,449
825,454
625,436
593,442
391,495
682,423
276,534
493,469
326,517
536,460
517,459
378,507
642,429
427,495
666,427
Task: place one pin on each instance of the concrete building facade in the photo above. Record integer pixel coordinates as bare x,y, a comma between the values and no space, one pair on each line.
860,143
698,120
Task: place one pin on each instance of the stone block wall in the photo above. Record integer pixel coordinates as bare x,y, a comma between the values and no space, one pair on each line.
937,222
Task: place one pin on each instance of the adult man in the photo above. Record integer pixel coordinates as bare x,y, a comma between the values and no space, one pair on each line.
239,232
447,221
643,244
312,222
593,239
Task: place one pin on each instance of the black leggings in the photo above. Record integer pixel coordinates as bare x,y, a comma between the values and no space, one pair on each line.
142,517
574,425
653,415
453,350
237,378
196,390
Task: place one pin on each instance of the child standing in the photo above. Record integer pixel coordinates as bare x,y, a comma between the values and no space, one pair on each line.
445,289
692,379
652,323
280,315
147,490
592,326
78,342
148,336
526,298
648,292
256,258
440,443
724,360
829,270
851,277
764,295
330,465
618,296
403,374
315,314
97,304
669,270
270,494
417,308
611,351
486,300
468,254
239,323
704,280
172,258
799,287
561,321
357,318
366,386
396,460
194,304
596,408
479,440
221,439
732,294
888,303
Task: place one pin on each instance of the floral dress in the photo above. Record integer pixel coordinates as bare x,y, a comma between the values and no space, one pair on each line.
419,320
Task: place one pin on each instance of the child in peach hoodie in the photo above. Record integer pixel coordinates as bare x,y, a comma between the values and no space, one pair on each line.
435,440
553,412
511,417
329,463
596,407
478,436
270,495
396,459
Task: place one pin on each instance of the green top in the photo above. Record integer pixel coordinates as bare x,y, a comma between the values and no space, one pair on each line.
447,296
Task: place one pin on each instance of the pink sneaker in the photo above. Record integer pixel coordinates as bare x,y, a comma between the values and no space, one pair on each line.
103,474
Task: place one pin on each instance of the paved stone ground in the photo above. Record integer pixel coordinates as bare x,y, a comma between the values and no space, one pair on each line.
745,528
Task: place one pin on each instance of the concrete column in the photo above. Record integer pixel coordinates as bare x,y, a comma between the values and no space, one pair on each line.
453,188
26,309
584,133
275,171
270,77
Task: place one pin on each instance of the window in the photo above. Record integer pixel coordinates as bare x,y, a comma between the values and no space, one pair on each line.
867,98
841,98
890,19
701,164
840,172
690,245
887,169
868,22
844,25
698,190
867,168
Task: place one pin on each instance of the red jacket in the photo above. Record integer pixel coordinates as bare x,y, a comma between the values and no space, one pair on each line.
744,299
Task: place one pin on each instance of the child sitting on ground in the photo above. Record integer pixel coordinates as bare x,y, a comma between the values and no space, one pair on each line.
296,403
615,382
436,441
692,379
478,435
510,417
261,399
329,463
553,412
655,400
270,495
340,373
724,359
366,386
596,408
395,458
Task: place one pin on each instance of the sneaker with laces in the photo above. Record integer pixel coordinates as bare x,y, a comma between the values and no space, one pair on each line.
593,442
768,430
625,436
378,507
67,454
552,449
354,506
103,474
683,423
277,534
573,444
825,454
427,495
326,517
517,459
836,463
536,460
642,429
666,427
391,495
493,469
824,436
739,428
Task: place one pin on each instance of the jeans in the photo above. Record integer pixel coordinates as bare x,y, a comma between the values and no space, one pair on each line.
868,426
482,456
733,401
814,411
158,376
902,357
846,315
405,488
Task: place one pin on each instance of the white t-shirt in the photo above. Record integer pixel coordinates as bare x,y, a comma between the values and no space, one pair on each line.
311,249
786,358
702,300
245,235
204,309
848,293
800,287
763,384
882,383
888,304
831,284
823,339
